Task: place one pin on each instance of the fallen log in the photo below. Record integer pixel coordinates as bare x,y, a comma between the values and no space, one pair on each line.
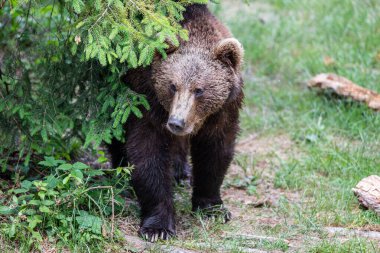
346,88
368,193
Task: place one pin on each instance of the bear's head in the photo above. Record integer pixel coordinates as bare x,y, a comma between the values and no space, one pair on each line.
193,83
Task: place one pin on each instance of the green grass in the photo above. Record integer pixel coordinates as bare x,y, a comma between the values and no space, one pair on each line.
351,246
289,49
336,141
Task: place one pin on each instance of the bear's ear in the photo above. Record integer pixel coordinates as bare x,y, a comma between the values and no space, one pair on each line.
231,52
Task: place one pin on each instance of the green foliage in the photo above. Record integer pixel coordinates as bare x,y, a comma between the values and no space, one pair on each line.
127,31
61,95
61,68
71,204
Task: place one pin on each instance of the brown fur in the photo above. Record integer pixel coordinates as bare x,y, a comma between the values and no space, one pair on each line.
195,96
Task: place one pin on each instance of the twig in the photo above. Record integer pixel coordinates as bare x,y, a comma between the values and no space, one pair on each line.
144,246
113,214
228,249
101,16
97,187
353,232
255,237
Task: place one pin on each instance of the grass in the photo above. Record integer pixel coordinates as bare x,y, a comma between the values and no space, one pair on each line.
354,246
339,138
337,141
334,143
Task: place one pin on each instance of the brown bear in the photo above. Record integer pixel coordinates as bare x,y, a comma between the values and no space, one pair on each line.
195,96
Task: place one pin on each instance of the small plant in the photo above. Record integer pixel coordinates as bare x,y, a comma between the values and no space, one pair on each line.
247,181
72,203
313,133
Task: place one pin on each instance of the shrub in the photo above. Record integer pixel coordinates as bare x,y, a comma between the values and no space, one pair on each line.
61,94
69,204
61,63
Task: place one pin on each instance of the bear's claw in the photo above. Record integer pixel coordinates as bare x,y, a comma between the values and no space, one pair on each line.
155,234
214,212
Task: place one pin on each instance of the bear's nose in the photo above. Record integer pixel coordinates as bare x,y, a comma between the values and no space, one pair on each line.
176,125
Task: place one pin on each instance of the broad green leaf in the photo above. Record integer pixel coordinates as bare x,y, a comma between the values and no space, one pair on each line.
48,202
44,209
34,202
21,190
5,210
65,166
26,184
41,195
80,166
92,173
52,182
91,222
66,179
77,174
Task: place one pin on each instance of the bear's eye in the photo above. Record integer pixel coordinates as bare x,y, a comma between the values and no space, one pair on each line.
198,92
173,88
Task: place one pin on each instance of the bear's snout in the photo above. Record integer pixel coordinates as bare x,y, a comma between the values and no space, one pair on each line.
181,119
176,125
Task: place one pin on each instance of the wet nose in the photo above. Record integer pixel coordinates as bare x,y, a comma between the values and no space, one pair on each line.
176,125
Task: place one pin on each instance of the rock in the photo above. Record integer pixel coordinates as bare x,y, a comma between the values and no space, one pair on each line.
368,193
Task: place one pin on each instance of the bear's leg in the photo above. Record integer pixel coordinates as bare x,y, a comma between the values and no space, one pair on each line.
181,167
211,156
148,151
116,149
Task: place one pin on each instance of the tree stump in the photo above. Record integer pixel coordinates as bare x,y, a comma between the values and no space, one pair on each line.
368,193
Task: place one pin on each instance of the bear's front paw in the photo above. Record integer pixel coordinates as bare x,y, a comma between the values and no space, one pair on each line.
212,209
158,227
